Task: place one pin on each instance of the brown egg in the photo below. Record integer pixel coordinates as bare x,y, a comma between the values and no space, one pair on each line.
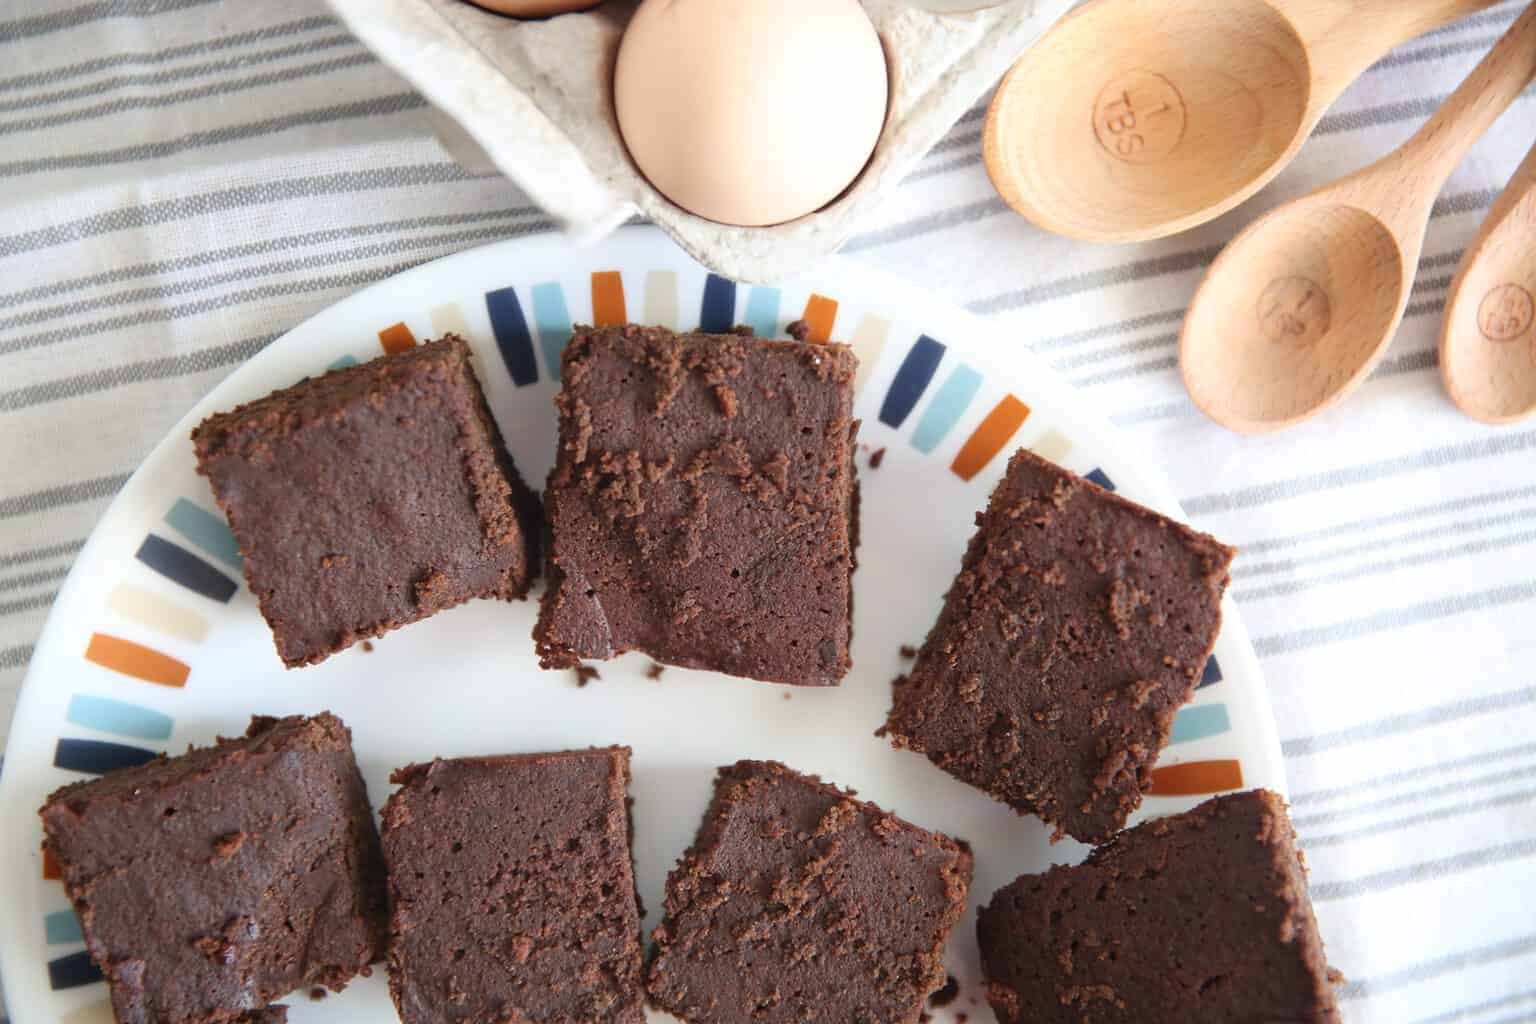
750,112
535,8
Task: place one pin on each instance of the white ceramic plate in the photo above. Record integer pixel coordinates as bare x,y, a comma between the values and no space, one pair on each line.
154,643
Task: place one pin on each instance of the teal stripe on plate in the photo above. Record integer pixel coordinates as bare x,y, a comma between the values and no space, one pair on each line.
949,404
554,323
62,926
1197,723
118,716
763,312
343,363
205,529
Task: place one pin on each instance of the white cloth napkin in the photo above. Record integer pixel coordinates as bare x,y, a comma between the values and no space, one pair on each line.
182,180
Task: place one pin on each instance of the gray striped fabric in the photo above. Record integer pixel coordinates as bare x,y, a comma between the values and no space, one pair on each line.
182,180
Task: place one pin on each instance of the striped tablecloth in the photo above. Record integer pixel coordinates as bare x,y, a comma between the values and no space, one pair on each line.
183,180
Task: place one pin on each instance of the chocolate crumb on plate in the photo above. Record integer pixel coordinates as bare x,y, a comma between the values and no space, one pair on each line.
877,457
585,674
655,671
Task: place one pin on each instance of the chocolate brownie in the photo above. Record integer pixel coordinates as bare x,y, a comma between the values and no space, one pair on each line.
210,884
797,902
511,891
1200,917
369,498
701,507
1078,626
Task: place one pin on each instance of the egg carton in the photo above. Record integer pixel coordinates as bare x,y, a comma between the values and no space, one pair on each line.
533,100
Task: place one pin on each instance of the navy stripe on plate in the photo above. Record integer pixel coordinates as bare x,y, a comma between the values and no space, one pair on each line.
179,565
97,757
911,380
717,313
512,337
1101,478
1212,674
73,971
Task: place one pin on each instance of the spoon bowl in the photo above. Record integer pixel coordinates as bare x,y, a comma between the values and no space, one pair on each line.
1137,119
1488,337
1255,357
1177,130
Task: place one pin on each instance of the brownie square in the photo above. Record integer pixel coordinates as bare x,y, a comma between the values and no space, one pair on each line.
701,507
211,884
797,902
369,498
1078,626
511,890
1200,917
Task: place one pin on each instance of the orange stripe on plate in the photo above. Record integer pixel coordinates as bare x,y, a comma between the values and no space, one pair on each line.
988,439
1197,778
397,338
51,869
608,299
820,314
136,660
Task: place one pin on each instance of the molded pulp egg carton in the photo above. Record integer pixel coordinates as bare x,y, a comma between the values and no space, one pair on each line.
535,97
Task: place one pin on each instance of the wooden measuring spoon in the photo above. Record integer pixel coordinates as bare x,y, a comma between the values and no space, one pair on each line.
1487,346
1136,119
1299,308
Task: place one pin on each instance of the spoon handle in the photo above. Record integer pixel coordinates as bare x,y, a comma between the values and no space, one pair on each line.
1347,36
1418,170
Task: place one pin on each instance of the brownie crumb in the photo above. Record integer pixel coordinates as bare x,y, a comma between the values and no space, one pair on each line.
798,329
877,457
367,646
317,993
961,1018
908,651
655,671
946,995
585,674
787,695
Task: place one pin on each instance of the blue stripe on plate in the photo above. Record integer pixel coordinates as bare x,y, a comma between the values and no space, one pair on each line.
1212,674
207,530
179,565
763,312
717,313
72,971
342,363
911,380
949,404
97,757
118,716
1197,723
554,323
512,337
1101,478
61,928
